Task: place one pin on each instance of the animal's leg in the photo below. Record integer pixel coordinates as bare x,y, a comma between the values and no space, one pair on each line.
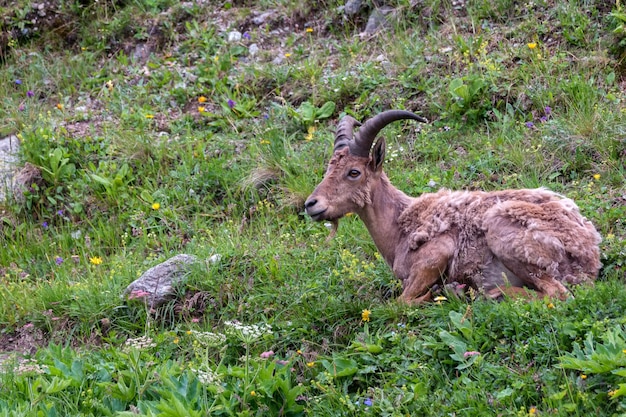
533,276
431,262
544,245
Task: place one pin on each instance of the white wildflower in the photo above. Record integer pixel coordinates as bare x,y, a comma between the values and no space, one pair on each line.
247,333
207,377
30,366
209,339
143,342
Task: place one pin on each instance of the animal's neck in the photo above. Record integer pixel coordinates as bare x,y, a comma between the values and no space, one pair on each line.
381,217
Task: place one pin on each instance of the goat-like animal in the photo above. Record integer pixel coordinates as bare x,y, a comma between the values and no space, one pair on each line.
497,242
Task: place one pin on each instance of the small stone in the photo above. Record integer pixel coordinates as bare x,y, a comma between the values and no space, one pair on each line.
234,36
387,66
158,284
377,20
9,151
215,258
352,7
142,52
253,49
262,18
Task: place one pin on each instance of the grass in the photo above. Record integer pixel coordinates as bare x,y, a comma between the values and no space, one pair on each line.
201,148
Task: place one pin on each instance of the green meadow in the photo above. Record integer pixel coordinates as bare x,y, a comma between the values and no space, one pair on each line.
152,128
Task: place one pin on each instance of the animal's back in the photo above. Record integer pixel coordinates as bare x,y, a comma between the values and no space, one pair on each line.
496,232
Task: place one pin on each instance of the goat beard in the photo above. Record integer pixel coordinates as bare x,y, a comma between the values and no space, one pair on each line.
334,225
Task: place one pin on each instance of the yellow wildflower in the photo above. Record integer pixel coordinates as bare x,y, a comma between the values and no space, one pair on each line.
201,109
583,376
439,299
310,364
202,99
253,393
532,411
299,352
309,30
156,206
265,142
149,116
612,393
310,131
96,260
532,45
176,340
287,55
60,106
596,177
550,305
365,315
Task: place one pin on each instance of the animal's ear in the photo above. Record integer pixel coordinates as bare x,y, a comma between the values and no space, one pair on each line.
378,154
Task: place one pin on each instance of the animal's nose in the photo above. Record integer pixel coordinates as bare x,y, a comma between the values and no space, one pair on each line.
310,202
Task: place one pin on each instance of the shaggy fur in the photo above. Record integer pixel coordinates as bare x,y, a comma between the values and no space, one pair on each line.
534,231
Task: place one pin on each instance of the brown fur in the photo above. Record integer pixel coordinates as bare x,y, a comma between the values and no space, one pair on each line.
498,242
535,230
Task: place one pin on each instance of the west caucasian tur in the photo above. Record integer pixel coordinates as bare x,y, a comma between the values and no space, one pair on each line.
499,242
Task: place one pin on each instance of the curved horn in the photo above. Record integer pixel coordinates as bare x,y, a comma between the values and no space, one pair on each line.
344,131
367,133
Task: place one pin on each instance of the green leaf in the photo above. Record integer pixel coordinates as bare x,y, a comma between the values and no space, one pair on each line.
461,323
558,395
340,367
101,180
57,385
505,393
307,111
146,196
326,110
372,348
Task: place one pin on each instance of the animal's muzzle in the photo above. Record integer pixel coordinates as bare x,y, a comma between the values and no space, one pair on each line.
316,213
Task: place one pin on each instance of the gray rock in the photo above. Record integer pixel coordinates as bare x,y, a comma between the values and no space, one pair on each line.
142,52
253,49
158,284
384,63
378,20
262,18
9,148
234,36
278,60
352,7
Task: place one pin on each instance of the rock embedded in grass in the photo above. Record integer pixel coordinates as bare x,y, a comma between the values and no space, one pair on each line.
378,20
158,284
9,148
352,7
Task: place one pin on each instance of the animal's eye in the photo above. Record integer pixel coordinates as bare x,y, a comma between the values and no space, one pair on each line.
353,173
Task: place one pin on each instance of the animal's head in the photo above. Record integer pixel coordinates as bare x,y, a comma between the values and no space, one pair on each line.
354,167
